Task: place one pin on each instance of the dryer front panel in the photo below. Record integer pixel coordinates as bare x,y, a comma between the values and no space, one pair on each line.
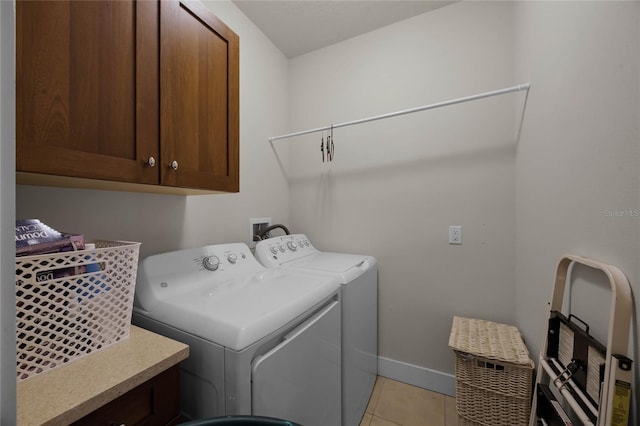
299,379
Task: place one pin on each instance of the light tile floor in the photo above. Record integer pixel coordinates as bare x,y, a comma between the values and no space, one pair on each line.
395,403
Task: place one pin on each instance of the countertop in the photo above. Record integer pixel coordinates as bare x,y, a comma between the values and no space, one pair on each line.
70,392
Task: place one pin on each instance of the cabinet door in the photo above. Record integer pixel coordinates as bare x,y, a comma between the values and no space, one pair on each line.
154,402
87,89
199,89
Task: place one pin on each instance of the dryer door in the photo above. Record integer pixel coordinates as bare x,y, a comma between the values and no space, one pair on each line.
299,380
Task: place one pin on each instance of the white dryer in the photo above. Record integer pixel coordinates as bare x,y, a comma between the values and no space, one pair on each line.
358,275
261,341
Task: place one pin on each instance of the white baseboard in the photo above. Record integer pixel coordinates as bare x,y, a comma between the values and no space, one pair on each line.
425,378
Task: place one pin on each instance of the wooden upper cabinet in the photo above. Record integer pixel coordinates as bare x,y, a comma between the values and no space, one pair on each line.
86,99
103,86
199,71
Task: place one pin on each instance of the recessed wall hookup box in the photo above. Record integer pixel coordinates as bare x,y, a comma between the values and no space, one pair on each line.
255,226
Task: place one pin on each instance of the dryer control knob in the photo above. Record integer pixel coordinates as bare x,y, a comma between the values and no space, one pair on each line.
282,248
274,249
292,246
232,258
211,263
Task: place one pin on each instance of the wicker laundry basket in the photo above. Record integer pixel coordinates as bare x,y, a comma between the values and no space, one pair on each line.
494,373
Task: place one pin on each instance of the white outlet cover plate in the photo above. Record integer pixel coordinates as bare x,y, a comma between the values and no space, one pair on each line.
455,234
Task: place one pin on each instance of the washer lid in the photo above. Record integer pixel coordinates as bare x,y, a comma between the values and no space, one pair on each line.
238,313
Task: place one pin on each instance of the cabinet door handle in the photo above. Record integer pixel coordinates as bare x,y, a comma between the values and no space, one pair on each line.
174,165
151,162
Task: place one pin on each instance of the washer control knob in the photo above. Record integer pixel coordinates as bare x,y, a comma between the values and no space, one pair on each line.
282,247
274,249
292,246
211,263
232,258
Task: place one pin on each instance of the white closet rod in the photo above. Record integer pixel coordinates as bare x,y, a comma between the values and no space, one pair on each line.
517,88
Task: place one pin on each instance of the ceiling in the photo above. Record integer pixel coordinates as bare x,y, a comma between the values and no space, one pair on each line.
300,26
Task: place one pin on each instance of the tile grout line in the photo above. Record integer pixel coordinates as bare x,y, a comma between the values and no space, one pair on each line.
374,414
384,386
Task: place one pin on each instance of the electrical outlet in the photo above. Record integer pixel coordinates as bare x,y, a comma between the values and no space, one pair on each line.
255,226
455,234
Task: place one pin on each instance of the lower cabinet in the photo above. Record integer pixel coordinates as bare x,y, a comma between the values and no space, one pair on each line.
154,402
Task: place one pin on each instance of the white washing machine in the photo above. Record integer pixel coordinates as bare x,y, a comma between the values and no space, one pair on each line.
358,275
261,341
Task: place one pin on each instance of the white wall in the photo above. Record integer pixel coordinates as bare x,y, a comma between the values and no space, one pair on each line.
7,216
577,161
396,185
165,222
